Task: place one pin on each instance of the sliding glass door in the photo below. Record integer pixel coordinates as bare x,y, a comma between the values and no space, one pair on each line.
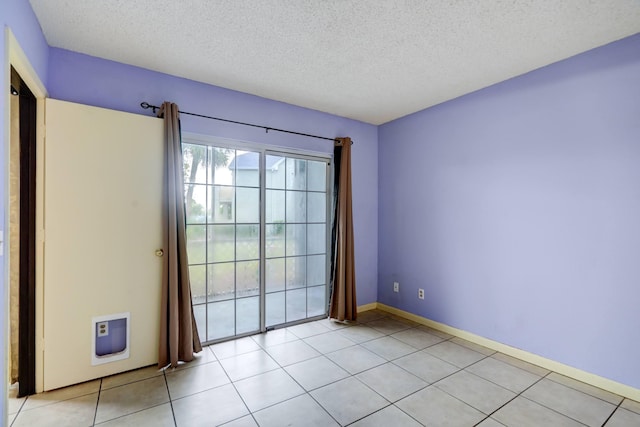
296,239
254,265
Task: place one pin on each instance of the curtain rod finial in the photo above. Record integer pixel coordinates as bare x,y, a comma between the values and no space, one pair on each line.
146,106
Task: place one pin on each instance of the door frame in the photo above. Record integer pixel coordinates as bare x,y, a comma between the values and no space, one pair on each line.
19,61
27,213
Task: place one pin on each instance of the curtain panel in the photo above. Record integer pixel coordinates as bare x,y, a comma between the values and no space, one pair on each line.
178,331
343,274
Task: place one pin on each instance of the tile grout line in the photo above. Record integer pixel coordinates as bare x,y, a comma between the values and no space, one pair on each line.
433,384
359,344
233,384
417,350
584,392
541,404
390,402
368,415
95,413
321,354
495,383
554,410
307,392
514,398
15,416
633,411
519,394
460,370
374,367
166,384
451,374
571,388
318,403
391,361
613,412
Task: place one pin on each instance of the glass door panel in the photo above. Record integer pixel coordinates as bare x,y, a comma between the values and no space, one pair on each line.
222,198
296,239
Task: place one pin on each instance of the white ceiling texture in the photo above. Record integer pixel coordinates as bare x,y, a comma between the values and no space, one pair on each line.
373,60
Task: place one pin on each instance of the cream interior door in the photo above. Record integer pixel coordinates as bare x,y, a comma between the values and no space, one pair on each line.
102,221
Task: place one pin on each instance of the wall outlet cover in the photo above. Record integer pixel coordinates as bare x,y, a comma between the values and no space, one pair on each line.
103,329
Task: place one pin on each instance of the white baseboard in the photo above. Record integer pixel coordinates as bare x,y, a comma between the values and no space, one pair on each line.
566,370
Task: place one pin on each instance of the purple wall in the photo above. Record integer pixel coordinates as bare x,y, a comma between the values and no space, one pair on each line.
89,80
19,17
517,209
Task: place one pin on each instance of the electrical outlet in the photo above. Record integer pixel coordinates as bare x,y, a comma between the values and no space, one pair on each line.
396,287
103,329
421,293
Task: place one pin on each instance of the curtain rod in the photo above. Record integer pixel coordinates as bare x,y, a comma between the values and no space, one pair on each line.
146,106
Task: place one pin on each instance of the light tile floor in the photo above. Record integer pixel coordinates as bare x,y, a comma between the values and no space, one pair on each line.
379,371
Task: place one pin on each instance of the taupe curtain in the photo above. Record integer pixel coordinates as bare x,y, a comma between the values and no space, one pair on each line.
343,273
178,332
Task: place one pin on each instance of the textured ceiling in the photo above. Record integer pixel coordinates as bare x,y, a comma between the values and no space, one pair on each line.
372,61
